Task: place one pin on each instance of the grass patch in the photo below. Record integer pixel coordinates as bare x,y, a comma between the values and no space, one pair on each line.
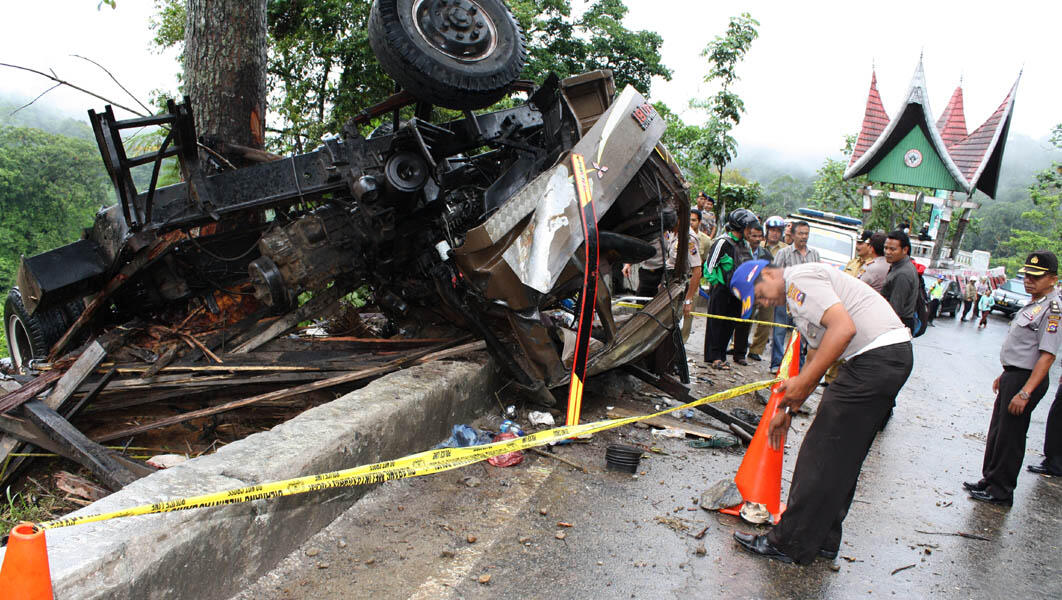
16,507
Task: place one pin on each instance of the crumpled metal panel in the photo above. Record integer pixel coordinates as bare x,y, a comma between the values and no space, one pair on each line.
538,254
615,148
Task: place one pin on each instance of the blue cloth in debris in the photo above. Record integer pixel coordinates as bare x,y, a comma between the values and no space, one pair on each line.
463,435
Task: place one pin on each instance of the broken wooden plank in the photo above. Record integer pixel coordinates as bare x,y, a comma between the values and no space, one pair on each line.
348,344
84,451
91,395
24,431
394,365
662,421
167,357
85,364
320,305
28,392
125,400
79,486
452,352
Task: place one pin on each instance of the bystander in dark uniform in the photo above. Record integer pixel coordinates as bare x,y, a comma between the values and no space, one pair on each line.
727,252
841,318
651,270
1052,463
695,265
901,284
1031,346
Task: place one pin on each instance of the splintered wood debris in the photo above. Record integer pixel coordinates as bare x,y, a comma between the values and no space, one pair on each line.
188,387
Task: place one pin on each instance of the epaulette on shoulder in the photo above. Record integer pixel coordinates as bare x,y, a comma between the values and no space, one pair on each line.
1054,308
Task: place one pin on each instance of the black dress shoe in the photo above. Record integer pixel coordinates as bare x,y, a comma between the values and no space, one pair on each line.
1043,470
755,357
986,496
758,544
828,554
971,487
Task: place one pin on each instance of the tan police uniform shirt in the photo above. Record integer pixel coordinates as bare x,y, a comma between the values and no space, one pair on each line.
1034,329
656,261
812,288
855,266
695,251
875,272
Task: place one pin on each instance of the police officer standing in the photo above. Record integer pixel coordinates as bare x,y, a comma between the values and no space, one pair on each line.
841,318
728,251
1052,462
1031,346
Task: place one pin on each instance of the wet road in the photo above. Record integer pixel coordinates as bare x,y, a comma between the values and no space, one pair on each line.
633,537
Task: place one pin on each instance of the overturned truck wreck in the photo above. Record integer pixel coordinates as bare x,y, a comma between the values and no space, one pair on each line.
471,223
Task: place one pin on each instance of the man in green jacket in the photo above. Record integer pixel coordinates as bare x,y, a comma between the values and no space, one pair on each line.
727,252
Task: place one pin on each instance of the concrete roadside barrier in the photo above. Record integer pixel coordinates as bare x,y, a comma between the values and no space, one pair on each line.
215,553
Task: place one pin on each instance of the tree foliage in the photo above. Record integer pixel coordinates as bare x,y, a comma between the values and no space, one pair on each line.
50,188
566,44
1043,223
725,107
322,71
685,142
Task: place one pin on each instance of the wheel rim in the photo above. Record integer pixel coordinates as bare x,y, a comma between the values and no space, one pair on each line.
18,341
460,29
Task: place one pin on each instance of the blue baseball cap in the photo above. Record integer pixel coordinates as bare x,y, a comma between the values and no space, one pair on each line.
742,283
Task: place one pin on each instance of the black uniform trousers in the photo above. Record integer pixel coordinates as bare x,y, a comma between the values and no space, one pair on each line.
717,332
649,281
831,457
741,339
1005,448
1053,436
966,306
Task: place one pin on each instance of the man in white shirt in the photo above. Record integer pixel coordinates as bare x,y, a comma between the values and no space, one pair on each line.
797,254
841,318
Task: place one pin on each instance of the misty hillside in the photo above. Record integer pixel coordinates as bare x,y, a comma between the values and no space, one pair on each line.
42,117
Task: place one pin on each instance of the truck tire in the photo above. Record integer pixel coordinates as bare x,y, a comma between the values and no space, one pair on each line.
29,336
459,54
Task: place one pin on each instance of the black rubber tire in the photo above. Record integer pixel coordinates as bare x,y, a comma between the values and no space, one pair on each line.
32,336
432,76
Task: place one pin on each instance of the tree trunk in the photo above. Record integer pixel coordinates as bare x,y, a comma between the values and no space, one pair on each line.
721,218
225,70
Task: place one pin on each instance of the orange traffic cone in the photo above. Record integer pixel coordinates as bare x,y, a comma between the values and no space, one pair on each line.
25,574
759,478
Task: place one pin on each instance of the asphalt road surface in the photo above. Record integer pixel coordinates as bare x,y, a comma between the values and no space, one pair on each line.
486,532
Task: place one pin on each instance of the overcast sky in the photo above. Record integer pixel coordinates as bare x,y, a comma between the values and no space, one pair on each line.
804,82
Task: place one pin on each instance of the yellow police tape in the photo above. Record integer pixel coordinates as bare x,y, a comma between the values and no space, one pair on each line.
414,465
720,317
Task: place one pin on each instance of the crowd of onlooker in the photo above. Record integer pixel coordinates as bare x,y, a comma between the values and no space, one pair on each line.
883,261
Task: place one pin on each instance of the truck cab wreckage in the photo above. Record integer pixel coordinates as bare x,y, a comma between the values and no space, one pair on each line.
471,223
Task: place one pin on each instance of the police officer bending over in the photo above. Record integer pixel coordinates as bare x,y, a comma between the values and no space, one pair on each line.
1030,348
841,318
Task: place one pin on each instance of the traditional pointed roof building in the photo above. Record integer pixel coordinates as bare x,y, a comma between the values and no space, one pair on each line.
874,120
914,149
980,154
952,122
